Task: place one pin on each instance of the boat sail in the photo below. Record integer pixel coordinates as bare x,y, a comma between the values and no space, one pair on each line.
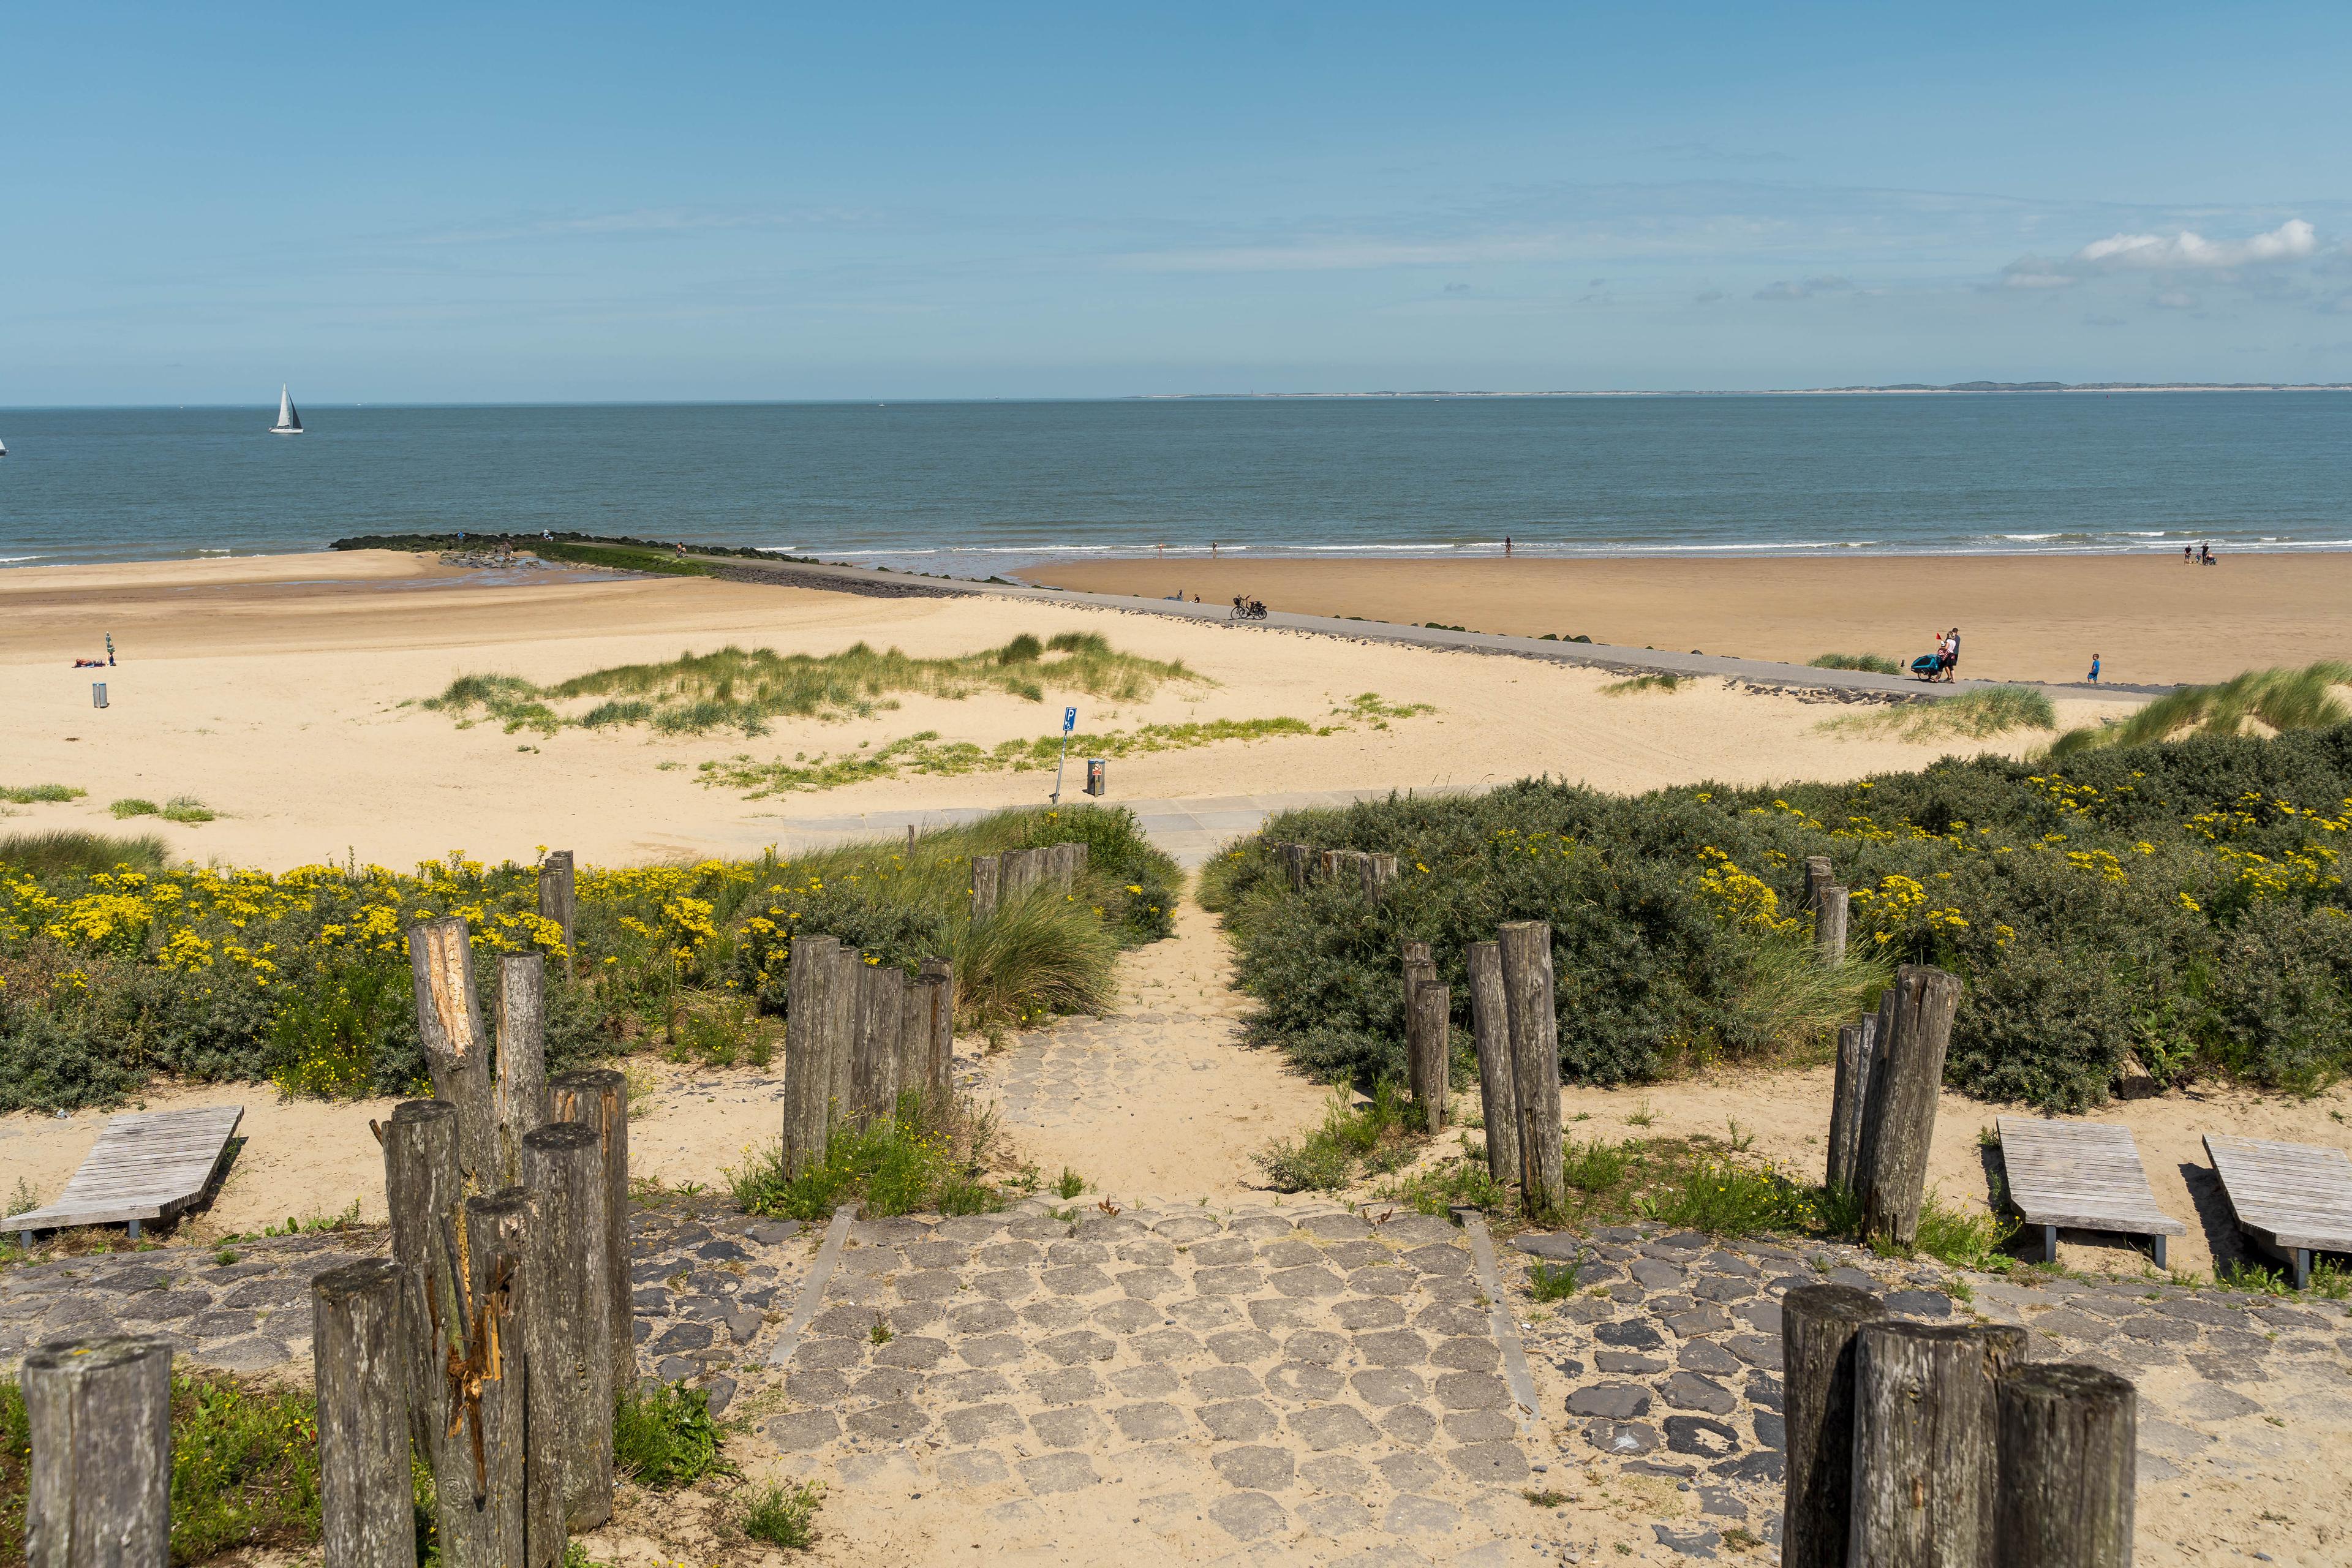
288,422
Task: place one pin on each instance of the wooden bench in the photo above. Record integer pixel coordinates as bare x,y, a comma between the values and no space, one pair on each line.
2296,1199
144,1170
2081,1175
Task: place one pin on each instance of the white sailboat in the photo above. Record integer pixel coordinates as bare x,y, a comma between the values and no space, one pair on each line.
288,422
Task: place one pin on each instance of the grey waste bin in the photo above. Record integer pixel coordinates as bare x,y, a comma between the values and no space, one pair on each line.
1095,768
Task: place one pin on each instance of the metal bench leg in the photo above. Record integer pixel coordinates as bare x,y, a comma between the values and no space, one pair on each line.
2302,1267
134,1230
25,1239
2049,1243
2159,1239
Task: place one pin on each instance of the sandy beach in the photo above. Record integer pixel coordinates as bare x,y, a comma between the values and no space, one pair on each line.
284,693
2022,618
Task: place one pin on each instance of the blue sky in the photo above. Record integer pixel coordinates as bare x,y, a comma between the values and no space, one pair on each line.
599,202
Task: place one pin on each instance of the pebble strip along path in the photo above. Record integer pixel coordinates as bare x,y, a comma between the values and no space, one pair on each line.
1268,1383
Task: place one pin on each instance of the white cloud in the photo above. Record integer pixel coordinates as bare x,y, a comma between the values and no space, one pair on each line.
2294,240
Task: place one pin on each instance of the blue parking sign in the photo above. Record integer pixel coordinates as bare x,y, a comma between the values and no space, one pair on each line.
1069,720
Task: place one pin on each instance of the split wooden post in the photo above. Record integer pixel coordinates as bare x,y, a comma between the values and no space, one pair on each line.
1829,926
1924,1440
422,1189
1490,1021
1901,1110
567,1334
874,1063
2068,1445
1431,1015
808,1067
1849,1093
358,1358
1418,971
99,1491
480,1480
843,1004
598,1098
1332,865
1818,1325
449,1017
984,868
1531,999
520,1096
558,903
939,991
1819,875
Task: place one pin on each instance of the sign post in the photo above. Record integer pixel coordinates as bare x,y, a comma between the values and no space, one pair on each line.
1069,722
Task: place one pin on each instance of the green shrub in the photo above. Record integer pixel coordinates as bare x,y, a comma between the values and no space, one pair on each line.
186,809
664,1436
33,794
1876,663
1371,1135
784,1515
2183,903
919,1158
132,805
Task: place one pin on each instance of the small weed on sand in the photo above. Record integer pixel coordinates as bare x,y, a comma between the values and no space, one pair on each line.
1372,1134
785,1516
1641,683
663,1437
178,808
33,794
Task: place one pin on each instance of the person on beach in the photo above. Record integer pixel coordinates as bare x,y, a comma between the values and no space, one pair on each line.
1951,659
2188,556
2095,669
1507,547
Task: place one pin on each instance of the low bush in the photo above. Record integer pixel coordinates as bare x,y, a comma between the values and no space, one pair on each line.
1876,663
664,1436
784,1515
921,1158
1353,1138
2183,904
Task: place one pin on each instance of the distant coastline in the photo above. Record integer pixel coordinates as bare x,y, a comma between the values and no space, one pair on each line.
1893,389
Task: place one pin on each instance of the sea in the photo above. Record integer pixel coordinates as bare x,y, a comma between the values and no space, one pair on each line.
980,487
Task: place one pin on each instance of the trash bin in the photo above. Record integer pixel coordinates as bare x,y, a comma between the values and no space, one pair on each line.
1096,767
97,694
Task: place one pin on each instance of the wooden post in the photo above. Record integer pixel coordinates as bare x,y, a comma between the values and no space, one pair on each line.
874,1062
1818,1325
100,1482
2068,1444
1294,864
1431,1017
1081,856
844,1000
449,1017
1381,875
567,1335
1847,1098
521,1097
1902,1105
910,839
598,1098
1019,871
1875,1039
1924,1426
1065,865
1529,995
1829,926
939,991
984,868
557,903
1818,877
421,1188
358,1358
1490,1020
1330,865
1419,971
808,1067
480,1481
912,1072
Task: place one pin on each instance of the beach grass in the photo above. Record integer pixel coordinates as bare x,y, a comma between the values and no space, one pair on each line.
748,688
1971,715
1641,683
34,795
1875,664
924,753
178,808
2257,702
74,851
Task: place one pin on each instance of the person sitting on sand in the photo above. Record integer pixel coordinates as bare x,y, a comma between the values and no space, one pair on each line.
2095,669
2188,555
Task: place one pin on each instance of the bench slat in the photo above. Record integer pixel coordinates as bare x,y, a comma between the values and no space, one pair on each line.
2080,1175
2300,1194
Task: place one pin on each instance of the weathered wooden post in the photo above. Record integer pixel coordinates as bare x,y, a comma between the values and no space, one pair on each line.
1531,998
1431,1017
808,1067
844,1008
1020,873
1819,875
1081,856
568,1332
1849,1093
2068,1445
984,868
557,902
1818,1325
1379,876
1490,1021
939,991
1924,1428
1294,864
480,1475
1065,864
359,1362
449,1017
100,1482
421,1188
912,1071
1901,1110
1829,926
874,1065
1418,971
520,1100
598,1099
1333,865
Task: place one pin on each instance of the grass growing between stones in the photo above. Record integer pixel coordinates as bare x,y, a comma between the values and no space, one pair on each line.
747,689
664,1436
1971,716
783,1515
919,1159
